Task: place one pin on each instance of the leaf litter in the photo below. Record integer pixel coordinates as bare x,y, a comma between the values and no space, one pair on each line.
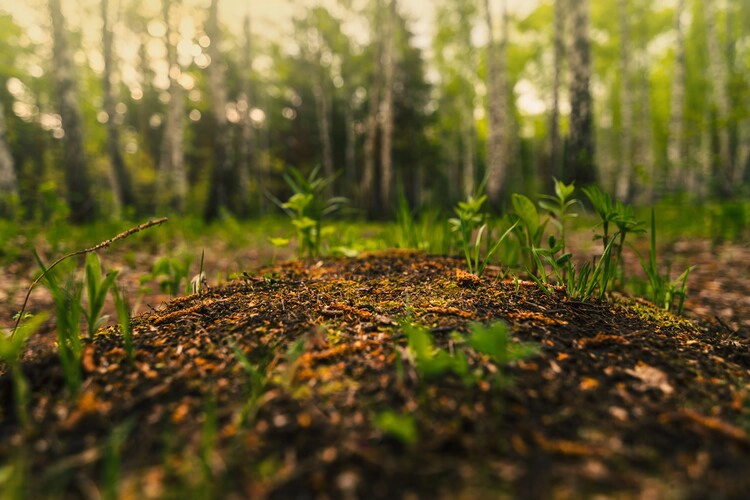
621,399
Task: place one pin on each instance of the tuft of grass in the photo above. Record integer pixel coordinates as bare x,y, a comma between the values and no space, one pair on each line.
11,348
123,316
662,290
96,292
68,312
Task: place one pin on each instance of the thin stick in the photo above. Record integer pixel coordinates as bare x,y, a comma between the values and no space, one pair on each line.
103,244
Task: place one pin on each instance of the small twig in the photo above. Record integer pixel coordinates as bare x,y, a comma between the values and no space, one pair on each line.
103,244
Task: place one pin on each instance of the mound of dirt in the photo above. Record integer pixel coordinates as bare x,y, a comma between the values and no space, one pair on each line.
276,386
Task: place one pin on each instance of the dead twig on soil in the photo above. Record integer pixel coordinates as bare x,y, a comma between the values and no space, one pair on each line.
99,246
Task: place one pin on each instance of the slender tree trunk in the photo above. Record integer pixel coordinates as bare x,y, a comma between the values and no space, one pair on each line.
720,97
625,175
8,181
323,113
75,165
643,137
497,97
467,140
676,141
172,178
742,155
122,185
579,165
386,145
218,187
554,166
350,154
367,184
246,147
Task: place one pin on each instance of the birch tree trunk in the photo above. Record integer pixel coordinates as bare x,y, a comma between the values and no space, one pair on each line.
467,140
77,179
742,155
172,180
720,98
676,140
386,144
643,132
122,186
554,166
579,165
8,180
498,124
246,146
367,184
625,175
218,185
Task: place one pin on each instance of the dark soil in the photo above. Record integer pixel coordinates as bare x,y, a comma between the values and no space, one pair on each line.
623,399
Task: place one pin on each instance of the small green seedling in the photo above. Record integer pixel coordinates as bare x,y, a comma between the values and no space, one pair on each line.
307,208
472,220
123,316
68,311
494,340
430,361
399,426
530,230
96,292
11,348
663,291
560,205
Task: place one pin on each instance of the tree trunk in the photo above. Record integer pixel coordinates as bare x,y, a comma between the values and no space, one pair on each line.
676,140
498,123
554,165
350,154
625,175
122,186
467,140
323,114
246,146
386,145
742,155
720,98
172,179
77,180
8,180
367,184
218,187
579,165
643,132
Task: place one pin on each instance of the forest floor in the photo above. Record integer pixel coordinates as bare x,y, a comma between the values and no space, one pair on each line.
622,398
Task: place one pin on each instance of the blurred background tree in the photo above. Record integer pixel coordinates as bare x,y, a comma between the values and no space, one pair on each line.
128,107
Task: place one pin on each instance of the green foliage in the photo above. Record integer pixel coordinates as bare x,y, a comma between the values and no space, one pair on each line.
123,317
68,311
560,205
623,217
307,208
170,273
399,426
471,226
430,361
96,290
494,340
530,230
662,290
11,348
112,460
